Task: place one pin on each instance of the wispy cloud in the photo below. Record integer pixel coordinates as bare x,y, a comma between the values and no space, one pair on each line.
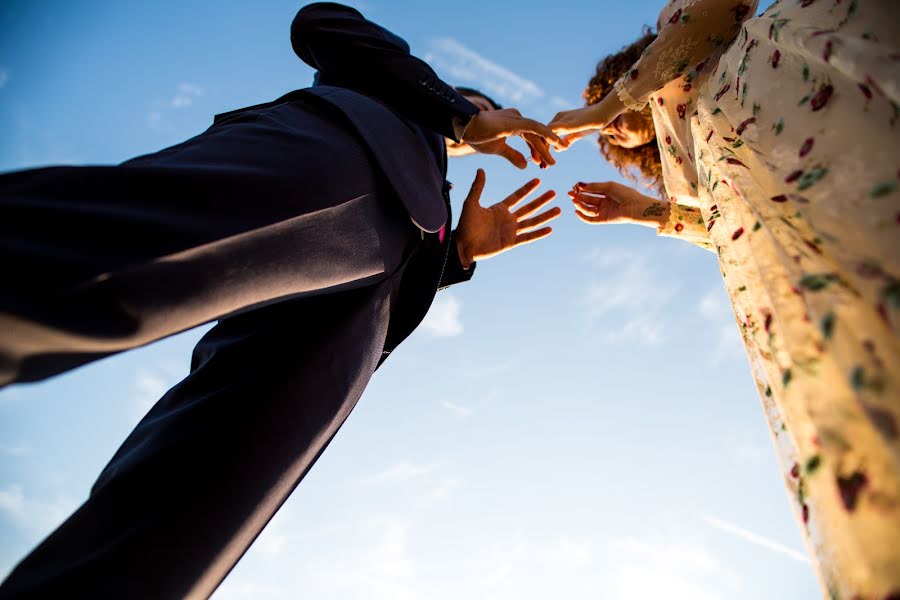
33,516
186,94
671,565
628,298
402,471
464,66
183,97
754,538
716,311
457,409
150,383
443,319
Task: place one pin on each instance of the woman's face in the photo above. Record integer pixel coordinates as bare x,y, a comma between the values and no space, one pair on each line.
630,130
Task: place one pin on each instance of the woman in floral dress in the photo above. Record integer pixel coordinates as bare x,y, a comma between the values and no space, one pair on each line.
779,149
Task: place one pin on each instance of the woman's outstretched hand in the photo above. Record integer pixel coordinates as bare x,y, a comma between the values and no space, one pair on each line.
611,202
485,232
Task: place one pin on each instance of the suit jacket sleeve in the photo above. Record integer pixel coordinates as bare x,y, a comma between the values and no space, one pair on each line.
349,51
453,269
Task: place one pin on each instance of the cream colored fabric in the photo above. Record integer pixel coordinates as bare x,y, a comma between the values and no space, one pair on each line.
781,151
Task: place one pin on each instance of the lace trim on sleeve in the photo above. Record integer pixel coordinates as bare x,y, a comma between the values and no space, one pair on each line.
627,99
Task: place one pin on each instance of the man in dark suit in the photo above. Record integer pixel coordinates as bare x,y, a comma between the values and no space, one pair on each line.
314,228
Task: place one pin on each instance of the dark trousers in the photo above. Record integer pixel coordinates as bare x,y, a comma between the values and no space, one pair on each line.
214,459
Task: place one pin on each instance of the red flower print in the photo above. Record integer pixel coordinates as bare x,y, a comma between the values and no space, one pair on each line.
850,487
737,234
776,58
779,198
768,324
793,176
633,74
826,52
709,136
795,471
678,160
679,227
675,17
722,91
681,109
805,509
874,85
733,161
710,225
668,140
865,90
820,99
744,124
687,87
659,101
807,147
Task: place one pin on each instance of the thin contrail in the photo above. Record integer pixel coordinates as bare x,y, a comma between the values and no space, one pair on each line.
754,538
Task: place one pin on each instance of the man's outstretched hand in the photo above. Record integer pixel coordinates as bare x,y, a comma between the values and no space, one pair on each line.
488,130
485,232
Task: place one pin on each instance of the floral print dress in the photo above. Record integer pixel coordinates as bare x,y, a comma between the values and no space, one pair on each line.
781,152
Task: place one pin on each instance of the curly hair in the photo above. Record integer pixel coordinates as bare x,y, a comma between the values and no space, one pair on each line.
645,160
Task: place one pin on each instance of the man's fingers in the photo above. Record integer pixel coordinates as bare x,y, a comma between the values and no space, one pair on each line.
540,147
532,126
535,222
477,187
520,193
534,206
513,156
527,238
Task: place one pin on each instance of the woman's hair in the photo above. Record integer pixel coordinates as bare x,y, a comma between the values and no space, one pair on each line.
643,159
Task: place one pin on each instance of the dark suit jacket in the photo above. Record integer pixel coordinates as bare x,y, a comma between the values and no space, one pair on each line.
402,110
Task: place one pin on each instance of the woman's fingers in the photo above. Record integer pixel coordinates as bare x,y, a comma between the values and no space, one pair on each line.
535,222
534,206
592,219
602,187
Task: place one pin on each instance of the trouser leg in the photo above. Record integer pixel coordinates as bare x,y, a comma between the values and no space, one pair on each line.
95,260
207,468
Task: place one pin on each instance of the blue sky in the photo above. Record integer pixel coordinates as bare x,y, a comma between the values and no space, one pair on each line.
577,422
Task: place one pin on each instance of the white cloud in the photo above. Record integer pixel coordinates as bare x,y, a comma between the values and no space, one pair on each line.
402,471
150,384
154,118
4,77
15,450
457,409
443,319
671,565
754,538
571,553
186,94
628,299
463,66
717,312
35,517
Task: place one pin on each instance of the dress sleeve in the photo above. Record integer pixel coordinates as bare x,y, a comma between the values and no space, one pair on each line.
686,223
685,40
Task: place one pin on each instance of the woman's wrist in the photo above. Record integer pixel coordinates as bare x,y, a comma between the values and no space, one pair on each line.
650,212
